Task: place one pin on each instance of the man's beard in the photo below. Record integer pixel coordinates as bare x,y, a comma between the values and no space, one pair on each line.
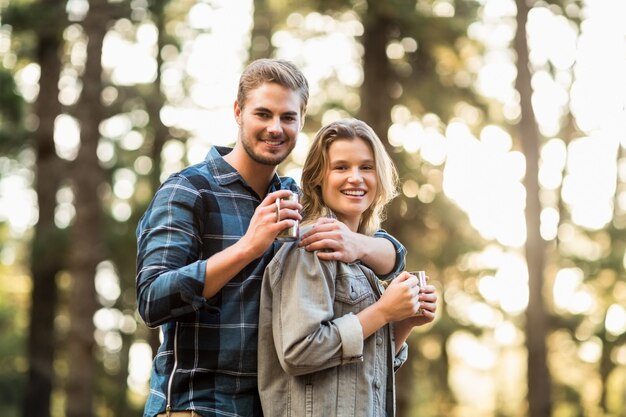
271,160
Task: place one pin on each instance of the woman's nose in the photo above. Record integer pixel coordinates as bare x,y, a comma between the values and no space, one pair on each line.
355,175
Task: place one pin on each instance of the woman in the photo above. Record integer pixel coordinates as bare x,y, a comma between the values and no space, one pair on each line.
330,337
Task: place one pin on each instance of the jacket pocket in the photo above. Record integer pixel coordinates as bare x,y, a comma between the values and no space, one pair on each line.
352,289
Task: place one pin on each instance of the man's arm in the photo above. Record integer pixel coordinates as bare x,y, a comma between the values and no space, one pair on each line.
334,241
170,271
172,279
263,228
376,252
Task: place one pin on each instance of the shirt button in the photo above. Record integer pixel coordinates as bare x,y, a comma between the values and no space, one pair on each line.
377,384
353,295
379,340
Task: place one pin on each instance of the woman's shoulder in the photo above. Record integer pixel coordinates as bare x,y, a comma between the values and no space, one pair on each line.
290,257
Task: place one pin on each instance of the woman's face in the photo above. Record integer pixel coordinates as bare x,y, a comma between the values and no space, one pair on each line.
350,182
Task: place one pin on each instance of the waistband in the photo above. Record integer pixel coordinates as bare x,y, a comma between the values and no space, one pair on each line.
188,413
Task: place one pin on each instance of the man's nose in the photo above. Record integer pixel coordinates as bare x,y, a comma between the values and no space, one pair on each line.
274,127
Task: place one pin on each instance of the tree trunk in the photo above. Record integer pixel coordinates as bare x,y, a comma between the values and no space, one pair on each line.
378,78
87,232
155,103
375,110
539,381
261,37
48,248
156,99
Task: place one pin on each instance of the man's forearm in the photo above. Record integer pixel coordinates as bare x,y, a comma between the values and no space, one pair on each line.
379,254
223,266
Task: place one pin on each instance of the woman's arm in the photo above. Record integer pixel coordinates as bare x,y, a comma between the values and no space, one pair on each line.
428,303
399,301
306,337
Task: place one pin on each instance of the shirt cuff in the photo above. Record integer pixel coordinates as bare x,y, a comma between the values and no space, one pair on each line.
400,261
351,334
192,286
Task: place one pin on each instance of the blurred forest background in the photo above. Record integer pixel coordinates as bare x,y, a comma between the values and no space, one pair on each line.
506,120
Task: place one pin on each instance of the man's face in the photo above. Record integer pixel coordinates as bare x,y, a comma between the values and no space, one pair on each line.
269,123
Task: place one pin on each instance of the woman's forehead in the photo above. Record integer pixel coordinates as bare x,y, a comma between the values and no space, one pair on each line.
350,148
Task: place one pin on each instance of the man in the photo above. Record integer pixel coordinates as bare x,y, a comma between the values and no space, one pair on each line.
205,240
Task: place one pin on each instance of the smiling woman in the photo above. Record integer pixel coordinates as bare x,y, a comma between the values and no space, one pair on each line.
326,356
350,184
348,170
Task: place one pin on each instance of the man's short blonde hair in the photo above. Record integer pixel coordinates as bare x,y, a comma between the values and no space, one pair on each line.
277,71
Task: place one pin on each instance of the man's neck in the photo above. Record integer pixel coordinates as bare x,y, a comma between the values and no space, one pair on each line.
258,176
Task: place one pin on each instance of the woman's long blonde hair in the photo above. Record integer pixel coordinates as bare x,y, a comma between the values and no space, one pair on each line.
316,165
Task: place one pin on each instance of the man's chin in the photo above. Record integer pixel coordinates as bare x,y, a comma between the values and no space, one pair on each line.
265,156
270,160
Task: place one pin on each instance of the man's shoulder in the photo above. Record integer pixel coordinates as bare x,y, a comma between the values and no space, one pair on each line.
195,170
197,175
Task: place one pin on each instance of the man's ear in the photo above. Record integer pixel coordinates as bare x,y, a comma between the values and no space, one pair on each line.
237,110
302,119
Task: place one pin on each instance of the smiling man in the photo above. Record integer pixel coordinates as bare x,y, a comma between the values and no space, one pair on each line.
205,240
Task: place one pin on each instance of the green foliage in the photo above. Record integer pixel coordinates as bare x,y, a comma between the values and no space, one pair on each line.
12,133
11,103
40,16
12,360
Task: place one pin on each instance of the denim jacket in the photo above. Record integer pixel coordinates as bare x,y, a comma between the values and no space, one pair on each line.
312,358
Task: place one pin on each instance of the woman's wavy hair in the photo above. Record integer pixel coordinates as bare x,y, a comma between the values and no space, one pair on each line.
317,163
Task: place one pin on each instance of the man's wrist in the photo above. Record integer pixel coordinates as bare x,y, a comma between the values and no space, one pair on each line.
244,252
364,243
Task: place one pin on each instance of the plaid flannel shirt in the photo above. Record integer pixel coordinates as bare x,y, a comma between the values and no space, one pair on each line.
207,360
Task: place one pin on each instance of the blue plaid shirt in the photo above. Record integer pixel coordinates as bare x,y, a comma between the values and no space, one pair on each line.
207,361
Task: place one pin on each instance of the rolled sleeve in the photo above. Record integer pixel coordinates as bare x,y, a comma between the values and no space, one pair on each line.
351,334
170,274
